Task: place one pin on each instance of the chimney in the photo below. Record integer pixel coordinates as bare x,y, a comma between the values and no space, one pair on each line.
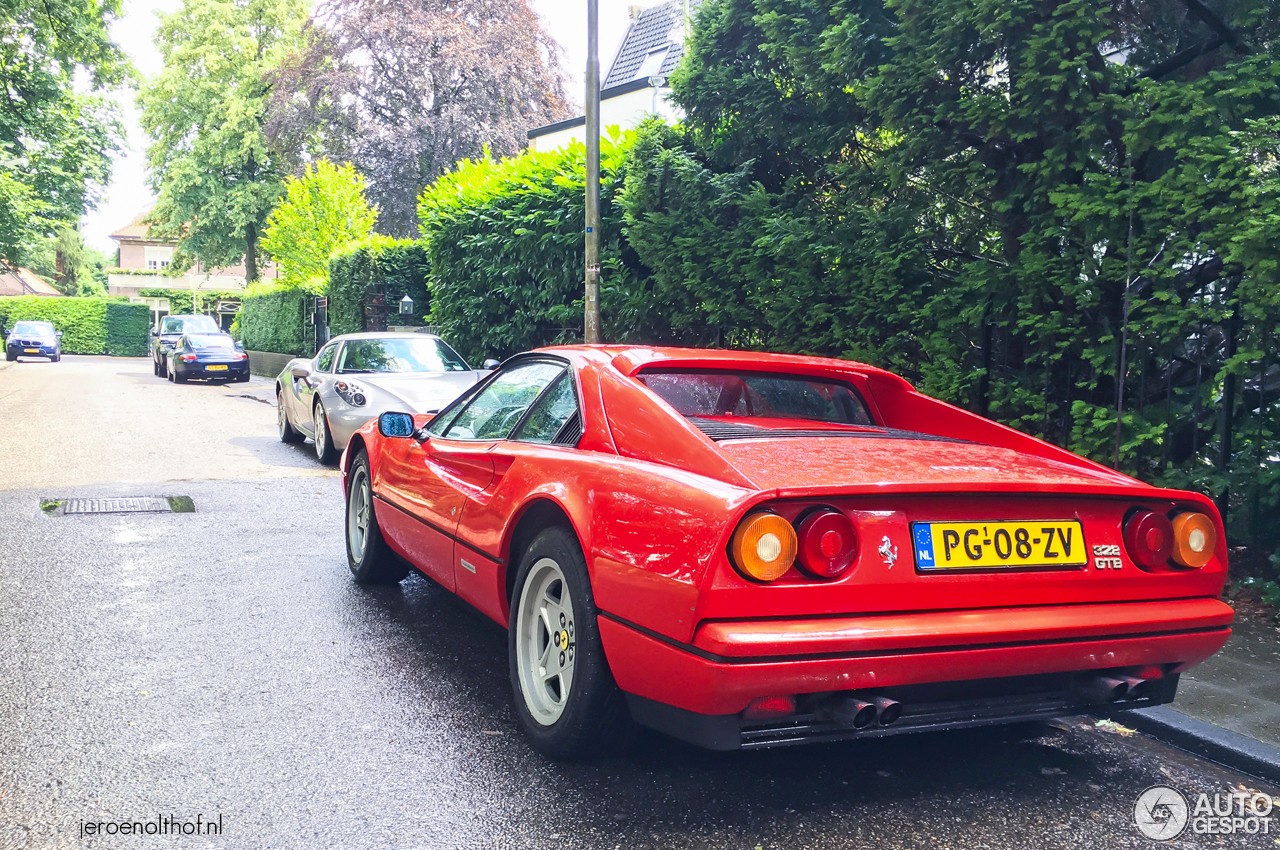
633,12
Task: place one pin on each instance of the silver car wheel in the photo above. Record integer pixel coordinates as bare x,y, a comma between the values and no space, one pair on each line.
321,437
545,642
358,509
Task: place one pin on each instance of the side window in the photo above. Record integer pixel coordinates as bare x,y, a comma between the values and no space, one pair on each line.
436,427
548,416
499,406
324,363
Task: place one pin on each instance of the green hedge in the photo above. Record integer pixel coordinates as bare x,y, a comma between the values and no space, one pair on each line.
89,325
127,329
505,246
273,320
399,266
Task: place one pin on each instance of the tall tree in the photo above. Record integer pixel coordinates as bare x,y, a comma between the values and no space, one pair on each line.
216,176
1059,213
57,131
407,89
323,211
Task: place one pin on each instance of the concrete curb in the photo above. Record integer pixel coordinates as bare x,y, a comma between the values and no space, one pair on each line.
1206,740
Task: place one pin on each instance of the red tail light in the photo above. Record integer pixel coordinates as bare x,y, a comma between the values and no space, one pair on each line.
828,543
186,357
1149,538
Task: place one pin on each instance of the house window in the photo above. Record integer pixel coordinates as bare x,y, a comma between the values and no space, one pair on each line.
652,63
157,258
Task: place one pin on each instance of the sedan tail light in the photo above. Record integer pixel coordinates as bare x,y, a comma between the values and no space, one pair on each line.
764,546
187,357
1149,538
1194,539
828,543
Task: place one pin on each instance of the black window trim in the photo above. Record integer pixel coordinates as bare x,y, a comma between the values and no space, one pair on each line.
464,400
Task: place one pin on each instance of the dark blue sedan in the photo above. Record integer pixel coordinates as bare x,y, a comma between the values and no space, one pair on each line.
211,357
33,339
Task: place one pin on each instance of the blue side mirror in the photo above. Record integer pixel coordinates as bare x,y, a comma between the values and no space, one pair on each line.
395,425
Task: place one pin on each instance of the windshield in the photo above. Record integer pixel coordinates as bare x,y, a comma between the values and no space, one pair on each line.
214,341
758,395
34,328
188,324
399,354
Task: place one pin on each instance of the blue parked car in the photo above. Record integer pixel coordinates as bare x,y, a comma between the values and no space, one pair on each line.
33,339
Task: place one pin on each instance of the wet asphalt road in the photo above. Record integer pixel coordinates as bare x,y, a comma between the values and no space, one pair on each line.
222,663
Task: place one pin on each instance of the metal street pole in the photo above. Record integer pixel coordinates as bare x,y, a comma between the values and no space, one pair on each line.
591,322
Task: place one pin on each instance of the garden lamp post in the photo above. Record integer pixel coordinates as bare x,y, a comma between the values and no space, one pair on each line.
406,306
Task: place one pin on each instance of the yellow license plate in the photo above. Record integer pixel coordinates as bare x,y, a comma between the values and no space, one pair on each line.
998,545
30,351
215,368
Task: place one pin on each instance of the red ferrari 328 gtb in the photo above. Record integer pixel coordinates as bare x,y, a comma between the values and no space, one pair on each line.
746,550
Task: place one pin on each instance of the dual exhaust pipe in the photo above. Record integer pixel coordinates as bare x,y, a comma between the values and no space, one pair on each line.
857,713
1106,689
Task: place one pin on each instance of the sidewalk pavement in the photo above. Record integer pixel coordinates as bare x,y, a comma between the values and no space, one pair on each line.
1228,708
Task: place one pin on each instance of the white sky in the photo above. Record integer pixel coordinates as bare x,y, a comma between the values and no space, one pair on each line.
128,195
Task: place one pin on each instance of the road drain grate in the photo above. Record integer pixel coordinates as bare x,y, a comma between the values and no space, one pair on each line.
120,505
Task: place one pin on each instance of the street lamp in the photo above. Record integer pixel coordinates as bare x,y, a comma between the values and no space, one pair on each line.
656,83
406,306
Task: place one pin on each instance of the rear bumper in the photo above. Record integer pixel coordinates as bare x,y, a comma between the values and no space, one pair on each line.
731,663
924,709
201,370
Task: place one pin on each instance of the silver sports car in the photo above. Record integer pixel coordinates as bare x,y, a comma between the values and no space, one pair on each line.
355,377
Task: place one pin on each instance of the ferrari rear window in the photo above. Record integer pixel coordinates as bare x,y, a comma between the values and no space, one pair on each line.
758,395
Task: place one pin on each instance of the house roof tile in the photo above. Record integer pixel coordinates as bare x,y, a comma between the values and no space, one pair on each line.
650,32
25,282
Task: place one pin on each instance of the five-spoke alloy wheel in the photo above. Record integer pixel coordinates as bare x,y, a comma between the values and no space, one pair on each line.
368,556
565,695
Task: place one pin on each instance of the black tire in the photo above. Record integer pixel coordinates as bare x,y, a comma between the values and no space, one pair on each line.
374,563
164,368
593,718
288,434
10,356
179,378
55,358
243,379
155,368
326,452
169,375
